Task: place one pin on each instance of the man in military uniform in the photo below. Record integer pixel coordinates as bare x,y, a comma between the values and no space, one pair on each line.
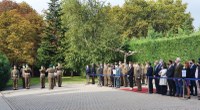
27,75
124,75
105,68
138,77
42,77
55,76
121,76
59,74
22,71
100,75
144,71
51,71
15,77
109,72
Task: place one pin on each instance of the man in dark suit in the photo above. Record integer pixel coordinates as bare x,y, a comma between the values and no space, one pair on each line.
149,76
157,69
178,76
170,81
193,68
198,81
93,73
130,75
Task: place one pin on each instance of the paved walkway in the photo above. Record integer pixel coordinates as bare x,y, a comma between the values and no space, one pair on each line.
90,97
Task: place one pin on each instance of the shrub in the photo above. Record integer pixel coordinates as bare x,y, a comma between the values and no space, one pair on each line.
4,71
186,47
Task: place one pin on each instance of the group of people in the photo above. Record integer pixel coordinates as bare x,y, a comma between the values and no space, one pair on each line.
179,79
54,75
118,74
170,78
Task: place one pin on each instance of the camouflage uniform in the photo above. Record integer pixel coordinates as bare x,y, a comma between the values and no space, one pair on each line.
59,75
23,76
27,75
42,77
105,68
138,77
51,77
15,77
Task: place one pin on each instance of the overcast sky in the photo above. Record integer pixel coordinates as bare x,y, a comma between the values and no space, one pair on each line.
193,7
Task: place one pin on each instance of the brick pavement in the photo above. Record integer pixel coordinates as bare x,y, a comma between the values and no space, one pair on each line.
91,97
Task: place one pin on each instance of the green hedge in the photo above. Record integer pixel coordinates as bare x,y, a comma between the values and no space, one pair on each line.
185,47
4,71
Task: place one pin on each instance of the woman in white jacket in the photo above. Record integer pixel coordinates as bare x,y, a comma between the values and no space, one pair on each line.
163,80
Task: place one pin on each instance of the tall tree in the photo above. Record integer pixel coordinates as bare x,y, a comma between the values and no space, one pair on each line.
50,50
20,31
91,38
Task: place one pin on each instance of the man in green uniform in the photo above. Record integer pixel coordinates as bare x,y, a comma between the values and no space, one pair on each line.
15,77
105,69
27,75
42,77
59,74
138,77
23,75
51,71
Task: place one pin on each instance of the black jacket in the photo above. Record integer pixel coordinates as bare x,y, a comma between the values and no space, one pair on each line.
131,72
157,70
170,71
150,71
192,71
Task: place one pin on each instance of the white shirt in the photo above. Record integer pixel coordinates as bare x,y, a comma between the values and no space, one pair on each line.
114,71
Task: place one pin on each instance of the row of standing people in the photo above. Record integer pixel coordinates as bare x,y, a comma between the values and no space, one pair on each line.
170,77
117,75
54,75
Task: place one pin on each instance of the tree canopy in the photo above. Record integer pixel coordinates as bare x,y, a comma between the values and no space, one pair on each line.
20,31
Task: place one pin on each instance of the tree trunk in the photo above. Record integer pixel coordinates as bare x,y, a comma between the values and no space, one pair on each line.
125,58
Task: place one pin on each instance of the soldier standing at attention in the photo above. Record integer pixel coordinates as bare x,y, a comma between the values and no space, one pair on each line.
124,72
105,69
27,75
121,77
100,73
15,77
51,71
109,72
55,75
22,75
42,77
59,74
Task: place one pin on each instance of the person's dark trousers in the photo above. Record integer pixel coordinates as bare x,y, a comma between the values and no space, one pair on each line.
173,87
112,80
102,80
163,90
169,81
157,85
131,81
192,87
150,85
121,81
93,79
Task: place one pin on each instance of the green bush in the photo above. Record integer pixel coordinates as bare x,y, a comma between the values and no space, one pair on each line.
185,47
4,71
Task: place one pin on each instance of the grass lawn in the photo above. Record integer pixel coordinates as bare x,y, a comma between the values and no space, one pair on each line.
36,80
